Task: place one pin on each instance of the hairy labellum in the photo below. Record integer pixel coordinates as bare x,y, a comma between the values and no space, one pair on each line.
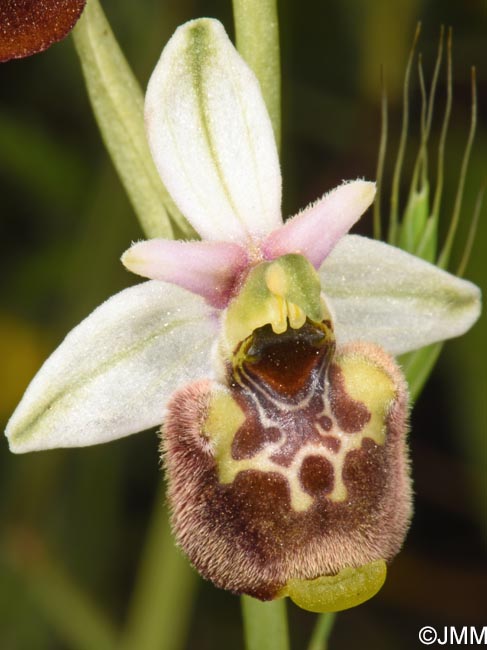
294,467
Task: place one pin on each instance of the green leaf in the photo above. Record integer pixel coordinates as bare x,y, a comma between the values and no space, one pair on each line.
417,367
428,244
118,103
414,220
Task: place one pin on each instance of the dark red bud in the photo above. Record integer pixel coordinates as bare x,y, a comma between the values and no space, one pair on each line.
31,26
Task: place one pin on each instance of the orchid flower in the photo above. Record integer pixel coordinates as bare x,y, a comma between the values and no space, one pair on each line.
266,350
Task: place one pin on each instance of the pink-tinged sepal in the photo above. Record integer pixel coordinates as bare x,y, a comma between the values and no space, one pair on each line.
209,269
315,231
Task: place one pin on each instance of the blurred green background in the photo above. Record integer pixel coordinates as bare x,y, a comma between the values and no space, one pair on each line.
80,516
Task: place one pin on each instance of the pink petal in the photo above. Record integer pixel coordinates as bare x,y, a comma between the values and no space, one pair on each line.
209,269
315,231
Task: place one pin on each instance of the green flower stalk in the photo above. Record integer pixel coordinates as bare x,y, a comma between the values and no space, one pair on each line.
266,350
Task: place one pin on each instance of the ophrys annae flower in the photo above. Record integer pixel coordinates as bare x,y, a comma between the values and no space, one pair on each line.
265,350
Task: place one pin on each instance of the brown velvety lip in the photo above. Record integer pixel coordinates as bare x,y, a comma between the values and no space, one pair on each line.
31,26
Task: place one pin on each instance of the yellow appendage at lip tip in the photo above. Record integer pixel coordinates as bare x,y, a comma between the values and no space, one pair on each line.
349,588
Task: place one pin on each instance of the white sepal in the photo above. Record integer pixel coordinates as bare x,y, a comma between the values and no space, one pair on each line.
115,371
211,136
382,294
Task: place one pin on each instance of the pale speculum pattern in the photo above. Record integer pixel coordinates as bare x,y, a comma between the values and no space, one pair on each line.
296,424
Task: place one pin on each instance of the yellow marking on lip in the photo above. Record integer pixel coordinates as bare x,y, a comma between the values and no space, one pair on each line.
224,419
365,381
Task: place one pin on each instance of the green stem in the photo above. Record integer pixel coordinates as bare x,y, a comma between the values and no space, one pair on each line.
394,216
265,624
322,631
444,130
381,159
118,106
472,231
257,36
444,257
162,602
